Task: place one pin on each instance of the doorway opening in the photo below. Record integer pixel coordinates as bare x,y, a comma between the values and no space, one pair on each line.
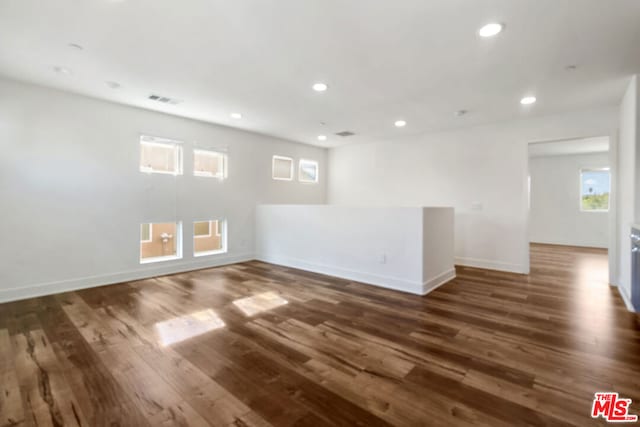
571,209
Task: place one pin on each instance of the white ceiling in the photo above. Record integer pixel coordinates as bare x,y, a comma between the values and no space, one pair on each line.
412,59
572,146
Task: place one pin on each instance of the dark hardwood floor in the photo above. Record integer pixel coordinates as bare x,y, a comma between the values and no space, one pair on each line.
255,344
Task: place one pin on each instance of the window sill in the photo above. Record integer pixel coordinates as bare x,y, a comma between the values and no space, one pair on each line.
159,259
209,253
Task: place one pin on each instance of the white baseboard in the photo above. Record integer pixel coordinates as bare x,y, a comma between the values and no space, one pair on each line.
343,273
571,243
626,298
403,285
491,265
144,272
438,281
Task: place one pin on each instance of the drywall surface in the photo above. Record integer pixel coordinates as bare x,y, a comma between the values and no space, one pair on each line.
480,171
555,216
437,247
626,183
73,197
398,248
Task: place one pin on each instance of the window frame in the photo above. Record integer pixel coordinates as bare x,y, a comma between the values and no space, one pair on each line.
207,152
309,161
222,224
594,169
177,238
162,142
273,168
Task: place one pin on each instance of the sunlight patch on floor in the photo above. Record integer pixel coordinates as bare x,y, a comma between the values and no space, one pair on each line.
259,303
184,327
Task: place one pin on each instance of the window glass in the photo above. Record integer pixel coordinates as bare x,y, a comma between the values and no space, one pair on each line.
159,155
308,171
159,241
208,163
209,237
145,233
282,168
594,189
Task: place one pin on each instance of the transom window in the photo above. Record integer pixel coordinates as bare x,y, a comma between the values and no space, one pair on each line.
595,185
209,163
282,168
160,155
308,171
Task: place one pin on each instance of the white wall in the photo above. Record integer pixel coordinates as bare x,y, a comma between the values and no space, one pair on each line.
408,249
480,171
627,212
73,198
555,215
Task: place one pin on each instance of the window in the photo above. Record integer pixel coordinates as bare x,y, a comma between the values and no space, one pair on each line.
209,237
160,242
209,163
159,155
594,190
308,171
282,168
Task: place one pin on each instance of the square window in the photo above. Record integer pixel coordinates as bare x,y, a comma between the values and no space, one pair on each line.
209,163
209,237
282,168
160,241
160,155
308,171
595,185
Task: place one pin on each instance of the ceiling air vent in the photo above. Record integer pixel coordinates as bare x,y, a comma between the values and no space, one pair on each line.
345,133
164,99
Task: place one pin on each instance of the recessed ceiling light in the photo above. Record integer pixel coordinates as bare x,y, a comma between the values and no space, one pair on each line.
490,30
528,100
236,115
400,123
320,87
113,85
322,137
61,70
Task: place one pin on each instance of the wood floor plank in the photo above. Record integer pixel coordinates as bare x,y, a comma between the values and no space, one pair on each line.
100,397
11,406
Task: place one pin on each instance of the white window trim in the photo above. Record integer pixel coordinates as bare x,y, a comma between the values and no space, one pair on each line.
178,255
273,164
223,234
603,169
162,142
159,259
150,233
315,163
200,236
212,153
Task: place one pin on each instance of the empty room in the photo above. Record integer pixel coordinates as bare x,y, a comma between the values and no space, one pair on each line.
319,213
